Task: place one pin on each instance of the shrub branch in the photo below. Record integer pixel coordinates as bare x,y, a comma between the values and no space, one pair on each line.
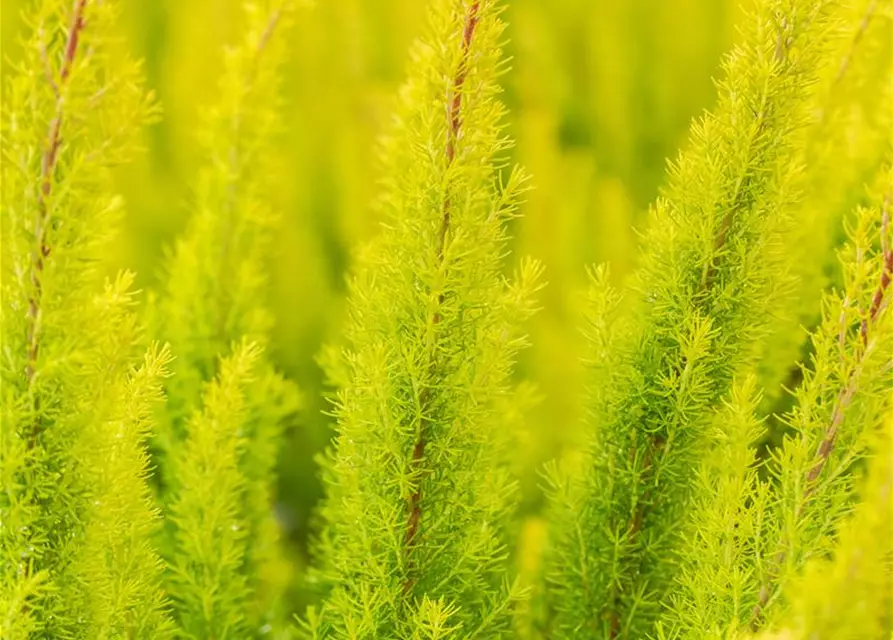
42,248
455,124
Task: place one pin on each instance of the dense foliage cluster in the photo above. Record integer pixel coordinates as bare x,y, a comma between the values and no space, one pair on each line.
734,472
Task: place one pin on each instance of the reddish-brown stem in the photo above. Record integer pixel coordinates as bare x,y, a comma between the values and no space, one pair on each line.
655,446
455,115
74,34
844,396
857,37
454,119
708,280
42,221
268,30
886,274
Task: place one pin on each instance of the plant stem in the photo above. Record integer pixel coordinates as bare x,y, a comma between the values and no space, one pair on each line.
738,201
841,403
42,219
418,453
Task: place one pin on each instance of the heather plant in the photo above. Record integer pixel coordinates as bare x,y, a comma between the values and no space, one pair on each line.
76,514
80,523
708,280
856,598
733,474
843,146
752,533
414,540
226,406
710,284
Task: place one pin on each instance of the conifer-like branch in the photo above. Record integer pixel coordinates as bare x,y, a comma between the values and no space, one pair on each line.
208,583
455,122
63,130
417,489
213,297
116,558
846,394
850,367
213,293
850,594
880,299
703,281
48,166
714,588
843,146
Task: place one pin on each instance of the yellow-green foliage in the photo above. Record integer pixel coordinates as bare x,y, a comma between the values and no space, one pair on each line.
708,283
750,538
695,443
212,298
75,401
209,587
844,144
850,594
418,492
839,405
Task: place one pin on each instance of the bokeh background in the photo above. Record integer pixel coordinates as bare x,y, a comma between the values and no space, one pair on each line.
599,94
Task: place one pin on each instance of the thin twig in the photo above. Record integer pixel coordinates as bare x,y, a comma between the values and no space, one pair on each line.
236,161
886,273
844,398
709,274
454,117
42,222
857,37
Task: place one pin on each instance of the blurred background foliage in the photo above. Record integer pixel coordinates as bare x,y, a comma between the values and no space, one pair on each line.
599,94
